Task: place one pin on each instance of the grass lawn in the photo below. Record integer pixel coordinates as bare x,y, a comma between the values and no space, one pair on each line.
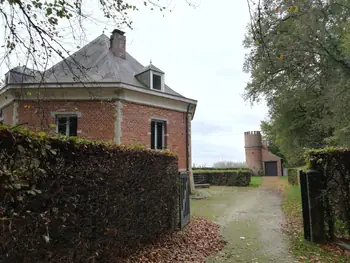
305,251
256,181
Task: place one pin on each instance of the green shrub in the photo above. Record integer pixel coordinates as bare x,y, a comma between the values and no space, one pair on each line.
195,169
293,176
222,177
334,166
64,200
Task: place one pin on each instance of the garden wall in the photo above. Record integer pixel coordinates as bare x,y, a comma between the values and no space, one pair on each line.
222,177
79,201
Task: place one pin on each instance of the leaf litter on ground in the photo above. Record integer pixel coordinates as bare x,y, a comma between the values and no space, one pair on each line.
200,239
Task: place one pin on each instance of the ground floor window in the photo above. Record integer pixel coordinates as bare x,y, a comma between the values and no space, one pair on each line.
158,129
67,125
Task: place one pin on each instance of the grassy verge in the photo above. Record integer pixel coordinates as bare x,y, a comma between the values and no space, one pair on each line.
256,181
305,251
284,178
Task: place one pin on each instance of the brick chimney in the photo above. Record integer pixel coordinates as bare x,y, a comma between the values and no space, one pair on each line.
118,43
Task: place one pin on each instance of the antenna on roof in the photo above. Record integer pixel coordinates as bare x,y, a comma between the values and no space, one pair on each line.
150,61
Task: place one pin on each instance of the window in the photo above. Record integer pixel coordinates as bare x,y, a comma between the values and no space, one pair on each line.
158,134
157,82
67,125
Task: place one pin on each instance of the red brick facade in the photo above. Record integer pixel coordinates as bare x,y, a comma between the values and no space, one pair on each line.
257,154
253,158
268,156
136,127
98,121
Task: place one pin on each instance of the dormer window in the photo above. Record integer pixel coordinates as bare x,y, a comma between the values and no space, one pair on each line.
152,77
157,82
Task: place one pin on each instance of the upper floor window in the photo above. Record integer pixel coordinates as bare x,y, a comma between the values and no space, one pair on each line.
67,125
157,82
158,129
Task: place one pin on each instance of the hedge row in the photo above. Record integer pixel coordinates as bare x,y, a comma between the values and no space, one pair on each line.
218,169
334,166
79,201
230,178
293,176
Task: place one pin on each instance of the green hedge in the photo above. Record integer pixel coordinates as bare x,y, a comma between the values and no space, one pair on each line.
334,166
80,201
293,176
218,169
228,178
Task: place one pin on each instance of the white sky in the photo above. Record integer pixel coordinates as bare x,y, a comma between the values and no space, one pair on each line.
200,50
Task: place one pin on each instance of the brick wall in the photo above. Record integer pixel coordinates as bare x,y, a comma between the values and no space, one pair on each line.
254,159
7,113
268,156
97,121
136,127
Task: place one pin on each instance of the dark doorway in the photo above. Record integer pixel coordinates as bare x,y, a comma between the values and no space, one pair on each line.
271,169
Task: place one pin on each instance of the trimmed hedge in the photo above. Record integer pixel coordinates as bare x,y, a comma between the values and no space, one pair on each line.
218,169
228,178
334,166
79,201
293,176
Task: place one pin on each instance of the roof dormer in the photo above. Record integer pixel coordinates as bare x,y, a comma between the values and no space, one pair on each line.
152,77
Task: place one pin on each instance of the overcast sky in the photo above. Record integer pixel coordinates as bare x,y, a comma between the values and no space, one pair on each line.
200,50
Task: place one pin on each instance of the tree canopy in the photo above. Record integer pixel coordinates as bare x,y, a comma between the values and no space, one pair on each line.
299,62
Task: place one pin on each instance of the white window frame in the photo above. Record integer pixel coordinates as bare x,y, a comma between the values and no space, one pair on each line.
161,80
57,116
163,122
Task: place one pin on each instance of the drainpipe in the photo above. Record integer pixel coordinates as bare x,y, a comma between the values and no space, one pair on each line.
188,168
187,141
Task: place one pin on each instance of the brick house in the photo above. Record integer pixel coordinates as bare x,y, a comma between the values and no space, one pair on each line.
258,158
103,93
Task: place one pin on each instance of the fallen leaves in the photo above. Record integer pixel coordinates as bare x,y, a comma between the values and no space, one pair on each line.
306,251
199,240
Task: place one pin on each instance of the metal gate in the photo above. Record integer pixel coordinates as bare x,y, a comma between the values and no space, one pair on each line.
184,200
305,205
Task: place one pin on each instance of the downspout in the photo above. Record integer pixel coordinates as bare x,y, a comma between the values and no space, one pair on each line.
188,164
187,141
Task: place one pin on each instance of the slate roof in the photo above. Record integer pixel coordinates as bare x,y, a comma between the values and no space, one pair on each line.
95,63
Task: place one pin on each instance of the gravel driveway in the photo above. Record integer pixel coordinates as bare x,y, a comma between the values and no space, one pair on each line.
250,221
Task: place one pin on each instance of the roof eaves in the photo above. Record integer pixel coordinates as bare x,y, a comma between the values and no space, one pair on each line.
112,84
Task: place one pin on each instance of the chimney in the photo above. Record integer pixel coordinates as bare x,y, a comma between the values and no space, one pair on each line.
117,43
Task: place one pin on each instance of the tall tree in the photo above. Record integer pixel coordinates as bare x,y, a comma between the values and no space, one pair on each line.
299,62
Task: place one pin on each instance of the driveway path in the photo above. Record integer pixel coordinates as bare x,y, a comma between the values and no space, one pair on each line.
250,220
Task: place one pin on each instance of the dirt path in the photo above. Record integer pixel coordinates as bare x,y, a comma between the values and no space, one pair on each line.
250,220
